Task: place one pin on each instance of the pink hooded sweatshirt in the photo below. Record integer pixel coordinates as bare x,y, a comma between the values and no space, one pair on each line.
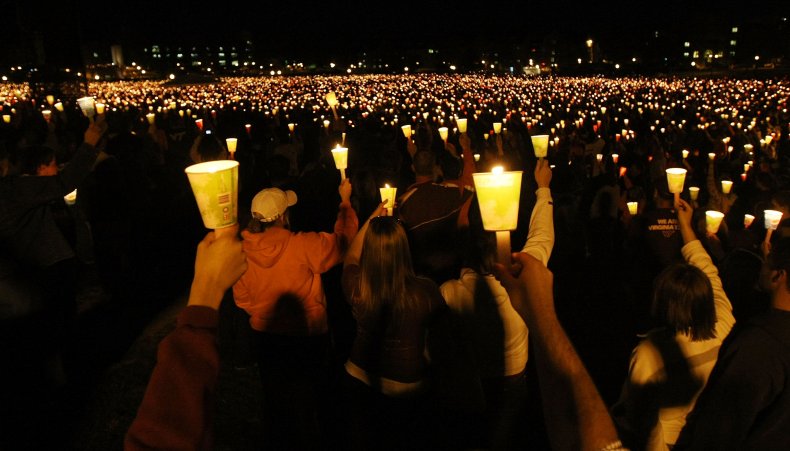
282,290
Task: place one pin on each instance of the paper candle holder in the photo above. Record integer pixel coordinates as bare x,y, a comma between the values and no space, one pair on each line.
772,219
540,143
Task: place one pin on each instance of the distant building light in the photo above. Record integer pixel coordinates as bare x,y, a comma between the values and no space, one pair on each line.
172,76
693,64
633,60
686,54
452,67
279,72
271,73
5,78
96,77
579,60
733,42
142,71
406,69
757,57
616,66
348,71
332,65
686,44
734,29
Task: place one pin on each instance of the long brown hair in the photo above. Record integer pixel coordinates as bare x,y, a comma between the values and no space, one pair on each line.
683,301
385,267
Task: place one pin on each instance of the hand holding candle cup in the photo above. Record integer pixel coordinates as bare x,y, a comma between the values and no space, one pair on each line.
497,128
87,106
443,133
772,220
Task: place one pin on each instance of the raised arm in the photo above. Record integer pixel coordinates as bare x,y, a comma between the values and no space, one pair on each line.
176,410
540,240
576,416
695,254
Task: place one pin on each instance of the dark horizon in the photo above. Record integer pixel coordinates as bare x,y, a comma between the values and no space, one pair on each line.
319,30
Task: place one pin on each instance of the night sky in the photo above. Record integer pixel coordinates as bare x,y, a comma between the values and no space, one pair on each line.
310,29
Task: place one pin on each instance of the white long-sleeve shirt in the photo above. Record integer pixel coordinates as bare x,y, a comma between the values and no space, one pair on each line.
498,335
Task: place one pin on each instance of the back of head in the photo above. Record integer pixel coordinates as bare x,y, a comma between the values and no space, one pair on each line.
779,258
451,167
683,301
424,162
210,148
385,264
29,159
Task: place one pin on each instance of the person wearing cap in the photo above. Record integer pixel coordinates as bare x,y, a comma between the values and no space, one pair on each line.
283,294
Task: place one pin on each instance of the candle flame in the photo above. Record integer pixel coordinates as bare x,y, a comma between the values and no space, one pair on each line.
497,170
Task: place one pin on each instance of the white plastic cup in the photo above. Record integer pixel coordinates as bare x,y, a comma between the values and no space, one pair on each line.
694,192
540,143
713,220
633,207
772,219
461,123
747,221
726,186
215,186
676,177
88,106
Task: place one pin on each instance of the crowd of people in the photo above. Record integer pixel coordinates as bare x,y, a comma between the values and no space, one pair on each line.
403,330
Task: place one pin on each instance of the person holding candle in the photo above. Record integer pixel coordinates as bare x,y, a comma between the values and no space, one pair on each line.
175,412
671,365
31,237
746,400
283,294
481,310
387,372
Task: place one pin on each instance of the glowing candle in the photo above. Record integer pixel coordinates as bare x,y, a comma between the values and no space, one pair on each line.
747,221
615,158
87,106
7,118
599,157
461,123
498,193
726,186
772,219
477,157
71,198
676,177
633,207
59,106
50,99
713,221
406,129
248,127
291,127
443,134
340,154
215,186
231,142
151,118
331,99
497,127
694,192
388,194
685,154
540,143
47,115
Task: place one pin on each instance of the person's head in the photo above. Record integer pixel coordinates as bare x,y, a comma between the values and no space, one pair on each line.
683,301
775,274
208,147
270,208
424,162
37,160
780,201
451,167
385,265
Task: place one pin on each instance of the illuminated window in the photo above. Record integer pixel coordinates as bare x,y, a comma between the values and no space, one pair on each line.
687,44
696,53
734,29
733,42
686,54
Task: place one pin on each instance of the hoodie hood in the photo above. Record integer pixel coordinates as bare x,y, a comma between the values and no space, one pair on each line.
265,249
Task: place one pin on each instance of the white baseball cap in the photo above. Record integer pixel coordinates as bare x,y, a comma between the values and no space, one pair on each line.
270,204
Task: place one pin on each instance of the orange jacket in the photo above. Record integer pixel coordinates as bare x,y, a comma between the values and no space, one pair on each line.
281,290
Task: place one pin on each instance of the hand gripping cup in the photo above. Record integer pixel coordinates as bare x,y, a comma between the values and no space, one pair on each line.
215,186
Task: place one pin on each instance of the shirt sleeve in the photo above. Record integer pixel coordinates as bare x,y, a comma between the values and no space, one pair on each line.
695,254
540,240
40,190
175,411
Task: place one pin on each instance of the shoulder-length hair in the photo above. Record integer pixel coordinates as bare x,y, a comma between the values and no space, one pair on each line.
385,267
683,301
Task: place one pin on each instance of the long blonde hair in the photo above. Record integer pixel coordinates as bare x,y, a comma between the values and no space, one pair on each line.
385,267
